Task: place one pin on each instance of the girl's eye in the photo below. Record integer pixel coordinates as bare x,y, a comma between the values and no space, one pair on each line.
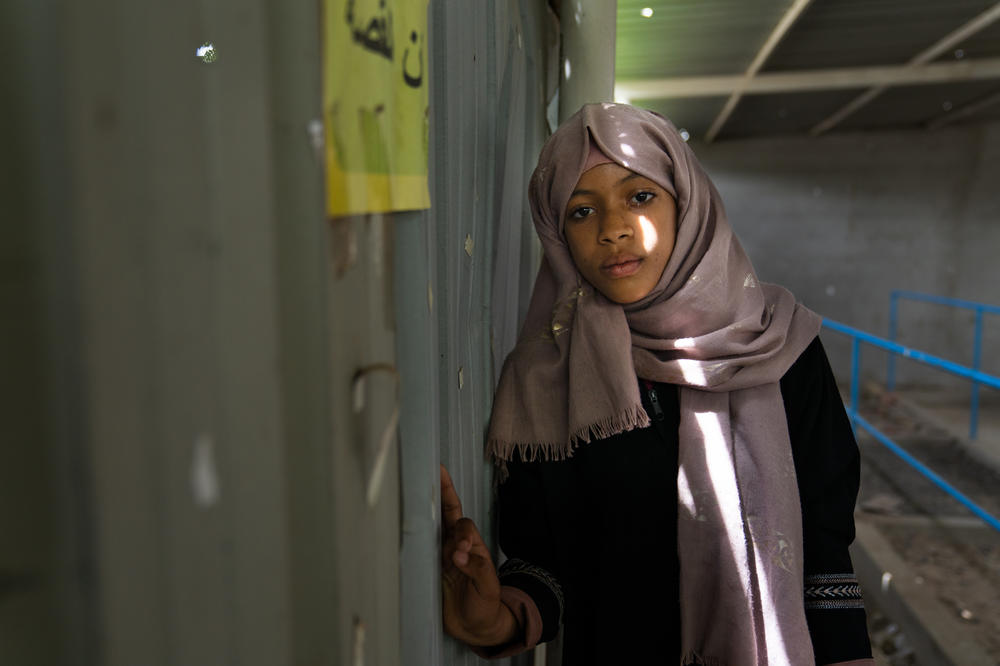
642,197
581,212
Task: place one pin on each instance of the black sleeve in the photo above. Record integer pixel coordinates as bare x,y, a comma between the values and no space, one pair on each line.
827,465
527,540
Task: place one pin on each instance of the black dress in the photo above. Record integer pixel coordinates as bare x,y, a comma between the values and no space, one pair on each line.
593,539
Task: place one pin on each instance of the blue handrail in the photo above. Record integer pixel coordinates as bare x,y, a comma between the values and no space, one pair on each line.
944,300
858,336
915,354
977,343
930,474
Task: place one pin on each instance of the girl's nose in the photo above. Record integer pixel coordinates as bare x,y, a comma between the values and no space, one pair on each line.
615,228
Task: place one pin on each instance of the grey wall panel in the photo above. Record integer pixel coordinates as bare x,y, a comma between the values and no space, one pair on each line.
33,548
419,438
462,279
366,621
173,194
463,120
844,220
201,332
201,456
520,133
305,280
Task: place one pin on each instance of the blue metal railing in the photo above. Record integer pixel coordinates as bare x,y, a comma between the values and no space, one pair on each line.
857,337
977,344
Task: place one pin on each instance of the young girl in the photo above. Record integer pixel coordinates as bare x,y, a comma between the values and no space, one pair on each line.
678,476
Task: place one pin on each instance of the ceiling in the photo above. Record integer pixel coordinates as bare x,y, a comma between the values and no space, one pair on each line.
724,69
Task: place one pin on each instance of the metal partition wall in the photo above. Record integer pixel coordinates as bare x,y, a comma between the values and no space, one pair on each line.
187,481
152,203
187,464
463,270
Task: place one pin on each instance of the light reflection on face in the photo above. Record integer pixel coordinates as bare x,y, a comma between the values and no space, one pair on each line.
621,229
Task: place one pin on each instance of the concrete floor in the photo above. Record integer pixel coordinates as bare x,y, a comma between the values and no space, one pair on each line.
925,561
950,411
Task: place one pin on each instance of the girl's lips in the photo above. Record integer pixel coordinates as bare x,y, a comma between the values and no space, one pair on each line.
623,268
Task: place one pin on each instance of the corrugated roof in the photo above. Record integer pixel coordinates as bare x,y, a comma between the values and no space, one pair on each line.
985,44
691,37
856,33
786,113
715,38
916,106
694,114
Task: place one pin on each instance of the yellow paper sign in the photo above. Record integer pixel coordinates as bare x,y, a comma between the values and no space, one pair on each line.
375,105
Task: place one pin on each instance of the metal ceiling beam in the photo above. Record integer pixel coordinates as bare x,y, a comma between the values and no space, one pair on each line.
965,111
809,80
972,27
786,22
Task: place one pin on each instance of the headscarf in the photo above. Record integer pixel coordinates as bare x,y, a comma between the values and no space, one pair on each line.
709,327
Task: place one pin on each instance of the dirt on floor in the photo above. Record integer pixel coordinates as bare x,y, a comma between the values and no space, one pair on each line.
890,646
947,548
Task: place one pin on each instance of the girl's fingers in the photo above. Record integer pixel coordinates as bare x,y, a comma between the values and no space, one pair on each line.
471,556
463,552
466,530
451,506
461,537
480,571
459,553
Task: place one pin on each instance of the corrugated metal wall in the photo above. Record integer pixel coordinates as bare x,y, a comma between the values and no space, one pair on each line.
152,207
188,438
191,462
463,274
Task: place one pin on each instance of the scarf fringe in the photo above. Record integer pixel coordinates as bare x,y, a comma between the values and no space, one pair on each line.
632,418
500,451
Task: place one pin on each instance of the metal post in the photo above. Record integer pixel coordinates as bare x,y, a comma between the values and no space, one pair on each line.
976,358
890,379
588,53
855,365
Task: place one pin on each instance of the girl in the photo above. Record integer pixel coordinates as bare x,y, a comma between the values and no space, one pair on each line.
678,476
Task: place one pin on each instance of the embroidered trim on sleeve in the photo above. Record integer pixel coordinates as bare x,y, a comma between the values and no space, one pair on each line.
832,591
516,566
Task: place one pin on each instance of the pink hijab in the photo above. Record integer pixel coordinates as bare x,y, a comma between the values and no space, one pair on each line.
711,328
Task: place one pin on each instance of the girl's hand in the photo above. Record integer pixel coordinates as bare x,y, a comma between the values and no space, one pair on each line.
470,589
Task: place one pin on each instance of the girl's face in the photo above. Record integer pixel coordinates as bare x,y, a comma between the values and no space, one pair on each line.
621,229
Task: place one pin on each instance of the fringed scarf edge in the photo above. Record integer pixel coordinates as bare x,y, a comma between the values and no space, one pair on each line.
500,451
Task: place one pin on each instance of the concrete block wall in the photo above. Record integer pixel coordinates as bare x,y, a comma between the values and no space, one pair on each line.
844,219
